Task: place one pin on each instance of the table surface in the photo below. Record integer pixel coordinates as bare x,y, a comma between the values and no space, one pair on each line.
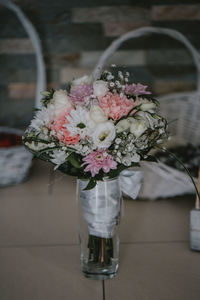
39,251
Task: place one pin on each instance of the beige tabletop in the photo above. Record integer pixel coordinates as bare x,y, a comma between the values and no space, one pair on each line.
39,251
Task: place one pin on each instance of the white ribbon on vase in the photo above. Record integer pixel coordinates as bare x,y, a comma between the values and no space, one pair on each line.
102,205
131,182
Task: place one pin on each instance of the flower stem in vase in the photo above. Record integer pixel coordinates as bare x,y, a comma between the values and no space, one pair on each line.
108,251
100,250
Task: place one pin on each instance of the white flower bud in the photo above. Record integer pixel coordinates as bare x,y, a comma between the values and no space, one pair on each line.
122,125
97,114
138,127
147,106
110,77
100,88
118,141
45,93
60,101
81,80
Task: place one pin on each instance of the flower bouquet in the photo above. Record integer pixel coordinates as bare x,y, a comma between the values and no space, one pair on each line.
94,130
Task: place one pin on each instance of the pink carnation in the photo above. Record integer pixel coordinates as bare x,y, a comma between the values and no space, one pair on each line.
115,106
60,131
136,89
97,160
81,93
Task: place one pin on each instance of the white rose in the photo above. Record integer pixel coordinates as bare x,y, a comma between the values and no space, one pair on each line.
103,134
123,125
100,88
147,106
60,101
97,114
81,80
138,127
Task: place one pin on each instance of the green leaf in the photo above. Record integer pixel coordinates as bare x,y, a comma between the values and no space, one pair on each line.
47,98
155,101
113,173
83,177
36,109
80,125
74,159
116,172
151,158
91,184
135,165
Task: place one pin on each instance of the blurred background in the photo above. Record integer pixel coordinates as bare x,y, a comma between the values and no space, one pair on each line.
39,248
74,34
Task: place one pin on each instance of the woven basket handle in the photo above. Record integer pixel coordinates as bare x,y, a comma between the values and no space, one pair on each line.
143,31
28,26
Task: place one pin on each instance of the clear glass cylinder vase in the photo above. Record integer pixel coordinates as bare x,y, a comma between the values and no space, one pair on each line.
99,219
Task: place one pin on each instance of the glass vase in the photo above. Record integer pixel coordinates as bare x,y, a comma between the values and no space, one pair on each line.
99,219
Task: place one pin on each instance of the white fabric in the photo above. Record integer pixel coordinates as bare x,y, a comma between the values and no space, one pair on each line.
131,181
162,181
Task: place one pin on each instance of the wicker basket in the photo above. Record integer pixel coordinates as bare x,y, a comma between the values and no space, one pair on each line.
161,180
15,161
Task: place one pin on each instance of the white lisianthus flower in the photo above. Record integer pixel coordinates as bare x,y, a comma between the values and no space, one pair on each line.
138,127
100,88
81,80
103,134
123,125
60,101
79,122
147,106
97,114
58,158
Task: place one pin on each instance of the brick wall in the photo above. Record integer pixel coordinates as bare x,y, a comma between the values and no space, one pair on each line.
74,34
